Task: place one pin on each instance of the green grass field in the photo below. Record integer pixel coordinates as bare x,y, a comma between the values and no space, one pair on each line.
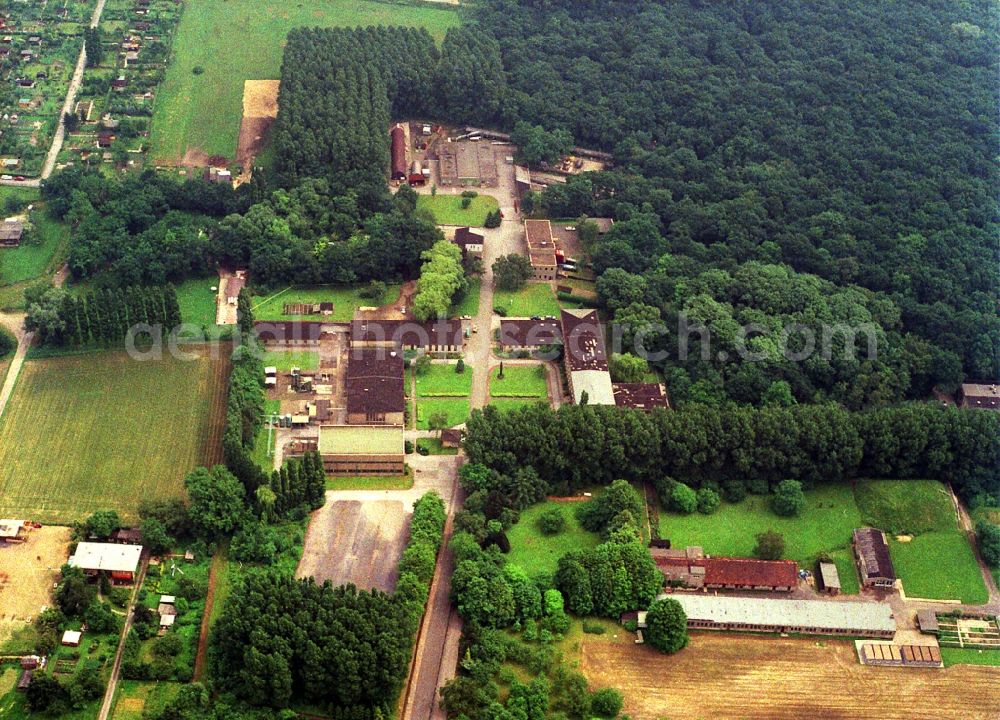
469,304
969,656
103,431
285,360
448,210
345,299
262,446
457,410
240,40
197,300
939,565
443,381
400,482
531,300
537,553
519,381
825,526
29,261
136,698
905,506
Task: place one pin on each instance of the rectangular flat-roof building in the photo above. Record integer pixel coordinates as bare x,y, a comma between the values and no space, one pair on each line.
436,336
467,164
874,562
120,561
362,450
12,531
640,396
541,248
810,617
829,578
288,332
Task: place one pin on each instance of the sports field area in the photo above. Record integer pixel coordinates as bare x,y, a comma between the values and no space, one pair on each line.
104,431
198,116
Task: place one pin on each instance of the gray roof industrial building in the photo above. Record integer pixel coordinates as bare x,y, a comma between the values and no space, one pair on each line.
813,617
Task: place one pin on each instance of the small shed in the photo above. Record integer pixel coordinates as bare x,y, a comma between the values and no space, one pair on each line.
71,638
451,438
927,622
829,578
167,621
25,680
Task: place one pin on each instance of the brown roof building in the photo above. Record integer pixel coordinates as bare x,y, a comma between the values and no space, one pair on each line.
980,395
690,568
874,561
433,335
467,163
288,332
640,396
470,242
541,248
451,438
525,334
374,387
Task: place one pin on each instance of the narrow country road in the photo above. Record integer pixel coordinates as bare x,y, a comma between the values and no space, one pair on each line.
60,135
14,370
109,694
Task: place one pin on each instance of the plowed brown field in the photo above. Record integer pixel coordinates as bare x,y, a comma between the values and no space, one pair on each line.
742,676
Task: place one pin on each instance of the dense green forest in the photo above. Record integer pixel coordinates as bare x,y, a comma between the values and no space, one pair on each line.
853,141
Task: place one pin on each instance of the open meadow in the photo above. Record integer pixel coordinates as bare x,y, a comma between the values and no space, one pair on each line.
198,115
101,430
538,553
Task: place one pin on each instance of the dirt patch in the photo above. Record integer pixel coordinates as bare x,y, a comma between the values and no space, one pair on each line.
260,98
782,678
353,542
255,133
195,157
27,573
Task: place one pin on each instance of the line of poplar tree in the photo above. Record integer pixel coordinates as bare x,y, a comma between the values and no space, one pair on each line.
105,316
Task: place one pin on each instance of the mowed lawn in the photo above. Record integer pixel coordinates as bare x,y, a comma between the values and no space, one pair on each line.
468,304
537,553
35,257
104,431
448,210
345,298
441,380
457,410
240,40
534,299
519,381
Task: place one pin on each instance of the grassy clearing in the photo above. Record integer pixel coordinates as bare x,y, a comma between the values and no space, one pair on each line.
263,450
534,299
905,506
345,298
825,525
519,381
457,410
29,261
197,301
443,381
969,656
136,700
939,565
537,553
847,570
448,210
434,447
285,360
469,304
242,40
103,431
398,482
